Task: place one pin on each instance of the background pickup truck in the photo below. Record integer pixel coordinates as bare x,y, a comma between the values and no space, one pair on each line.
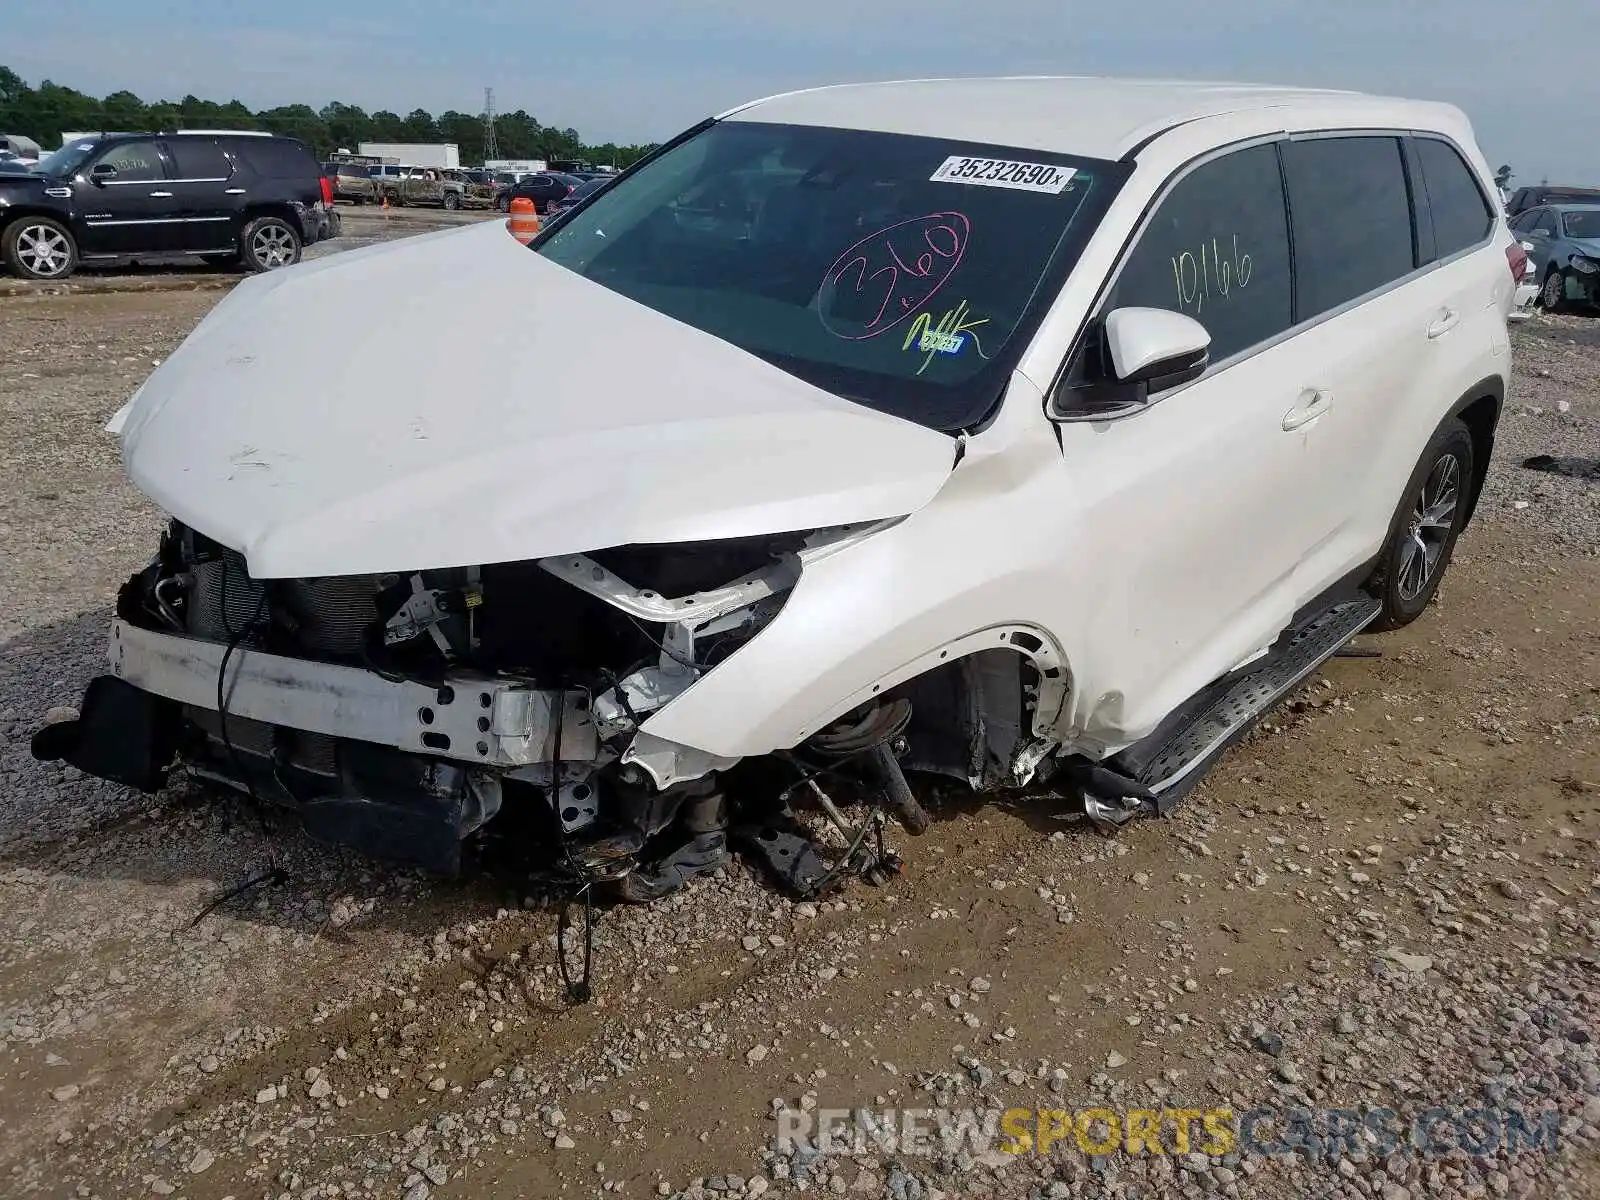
421,186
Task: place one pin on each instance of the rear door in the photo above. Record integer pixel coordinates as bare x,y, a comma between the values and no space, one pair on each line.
127,201
1366,314
206,193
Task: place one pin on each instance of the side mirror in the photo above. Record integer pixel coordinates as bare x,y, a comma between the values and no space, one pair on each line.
1142,351
102,172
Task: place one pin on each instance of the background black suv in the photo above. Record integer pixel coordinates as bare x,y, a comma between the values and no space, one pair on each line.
236,198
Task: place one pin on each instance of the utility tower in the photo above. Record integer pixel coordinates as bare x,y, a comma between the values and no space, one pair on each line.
491,144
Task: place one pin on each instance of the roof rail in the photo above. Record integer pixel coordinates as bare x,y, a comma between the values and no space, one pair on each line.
229,132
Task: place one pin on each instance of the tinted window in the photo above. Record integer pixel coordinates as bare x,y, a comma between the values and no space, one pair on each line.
1523,222
1352,218
1544,222
903,273
1217,249
1461,216
134,161
275,158
198,158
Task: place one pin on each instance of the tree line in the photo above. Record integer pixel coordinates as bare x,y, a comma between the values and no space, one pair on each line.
45,112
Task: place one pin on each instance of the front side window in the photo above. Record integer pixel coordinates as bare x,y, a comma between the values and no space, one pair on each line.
134,162
1217,249
1352,219
1461,215
1545,223
903,273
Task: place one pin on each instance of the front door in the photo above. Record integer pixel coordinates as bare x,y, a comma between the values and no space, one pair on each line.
127,202
1193,509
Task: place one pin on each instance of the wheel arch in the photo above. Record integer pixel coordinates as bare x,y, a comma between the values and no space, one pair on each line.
274,208
1479,409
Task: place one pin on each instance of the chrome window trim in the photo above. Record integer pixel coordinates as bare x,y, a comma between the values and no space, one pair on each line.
1294,330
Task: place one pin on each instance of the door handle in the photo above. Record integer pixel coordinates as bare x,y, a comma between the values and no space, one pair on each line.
162,195
1313,403
1446,322
233,192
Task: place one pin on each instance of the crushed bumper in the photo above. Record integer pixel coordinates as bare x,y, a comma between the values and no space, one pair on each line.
471,718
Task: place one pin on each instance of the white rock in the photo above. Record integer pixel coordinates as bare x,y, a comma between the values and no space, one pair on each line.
201,1161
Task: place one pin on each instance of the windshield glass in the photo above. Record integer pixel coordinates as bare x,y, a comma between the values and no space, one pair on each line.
65,161
903,273
1582,224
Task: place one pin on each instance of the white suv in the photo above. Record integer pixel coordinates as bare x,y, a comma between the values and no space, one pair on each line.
997,429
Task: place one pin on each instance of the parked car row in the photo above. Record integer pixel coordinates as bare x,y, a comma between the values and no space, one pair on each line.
253,200
1559,228
454,188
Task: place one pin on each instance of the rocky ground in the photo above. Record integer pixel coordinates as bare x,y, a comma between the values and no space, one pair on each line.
1385,901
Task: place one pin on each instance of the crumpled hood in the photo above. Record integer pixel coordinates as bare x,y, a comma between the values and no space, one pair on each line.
455,399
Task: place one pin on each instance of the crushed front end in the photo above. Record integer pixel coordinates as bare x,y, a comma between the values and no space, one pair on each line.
399,713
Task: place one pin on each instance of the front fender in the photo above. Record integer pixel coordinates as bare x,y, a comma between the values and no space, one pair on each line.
968,571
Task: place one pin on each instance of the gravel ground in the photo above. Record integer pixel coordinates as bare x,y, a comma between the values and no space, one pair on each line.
1389,896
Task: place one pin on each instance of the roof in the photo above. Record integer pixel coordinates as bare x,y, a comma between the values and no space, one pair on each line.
1083,115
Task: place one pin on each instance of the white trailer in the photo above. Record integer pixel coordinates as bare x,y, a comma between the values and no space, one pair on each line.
443,155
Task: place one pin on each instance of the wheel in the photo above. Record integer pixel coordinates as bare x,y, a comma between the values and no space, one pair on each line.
269,243
39,248
503,204
1422,536
452,200
1553,295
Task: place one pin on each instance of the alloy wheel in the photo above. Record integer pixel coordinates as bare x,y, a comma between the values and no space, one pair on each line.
43,251
1428,531
1554,291
272,246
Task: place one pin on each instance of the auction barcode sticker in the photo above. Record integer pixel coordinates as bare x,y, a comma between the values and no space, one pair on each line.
1002,172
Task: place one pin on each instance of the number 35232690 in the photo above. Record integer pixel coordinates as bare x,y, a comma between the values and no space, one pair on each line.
1004,173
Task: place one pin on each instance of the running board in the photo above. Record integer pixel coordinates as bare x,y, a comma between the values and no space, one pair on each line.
1171,760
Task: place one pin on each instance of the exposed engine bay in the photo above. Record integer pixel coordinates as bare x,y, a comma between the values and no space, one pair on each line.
400,714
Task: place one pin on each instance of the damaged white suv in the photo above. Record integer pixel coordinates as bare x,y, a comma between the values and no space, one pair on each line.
993,429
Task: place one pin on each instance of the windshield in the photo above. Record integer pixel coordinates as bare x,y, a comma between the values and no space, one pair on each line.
903,273
65,161
1582,224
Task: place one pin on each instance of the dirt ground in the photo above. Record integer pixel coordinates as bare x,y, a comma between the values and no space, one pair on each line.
1388,896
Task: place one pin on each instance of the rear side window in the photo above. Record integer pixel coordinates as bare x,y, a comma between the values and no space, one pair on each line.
198,158
276,158
1461,216
1217,249
1352,219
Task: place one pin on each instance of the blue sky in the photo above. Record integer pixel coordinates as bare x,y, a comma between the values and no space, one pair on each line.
636,70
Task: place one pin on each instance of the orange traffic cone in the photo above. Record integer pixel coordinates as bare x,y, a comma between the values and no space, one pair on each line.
524,220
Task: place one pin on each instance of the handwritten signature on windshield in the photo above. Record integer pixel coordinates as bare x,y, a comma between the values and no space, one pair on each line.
887,276
948,336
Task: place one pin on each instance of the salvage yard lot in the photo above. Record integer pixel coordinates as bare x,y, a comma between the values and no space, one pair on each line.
1390,895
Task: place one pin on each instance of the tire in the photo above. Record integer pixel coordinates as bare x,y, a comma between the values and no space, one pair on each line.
268,243
452,201
503,204
39,248
1553,293
1422,536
